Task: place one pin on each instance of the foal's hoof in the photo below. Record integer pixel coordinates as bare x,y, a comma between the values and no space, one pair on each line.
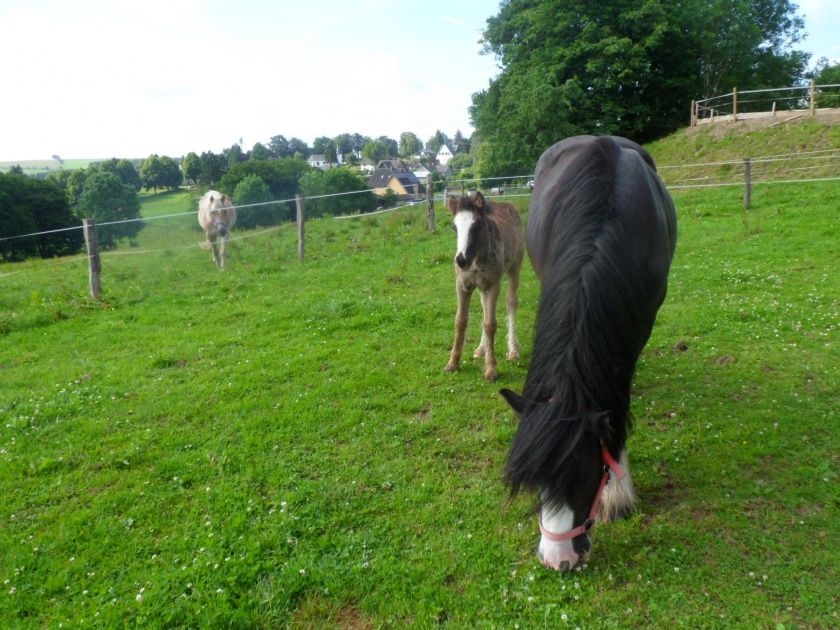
479,352
490,375
513,355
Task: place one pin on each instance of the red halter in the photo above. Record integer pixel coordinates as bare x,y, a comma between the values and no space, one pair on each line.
609,464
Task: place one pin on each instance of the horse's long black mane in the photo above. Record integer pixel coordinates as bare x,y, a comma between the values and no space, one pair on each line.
590,330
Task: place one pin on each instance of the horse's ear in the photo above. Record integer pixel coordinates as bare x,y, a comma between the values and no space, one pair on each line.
454,204
211,198
599,424
478,201
516,401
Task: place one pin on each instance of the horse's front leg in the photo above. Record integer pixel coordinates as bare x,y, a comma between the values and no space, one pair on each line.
214,249
223,255
489,298
462,316
512,303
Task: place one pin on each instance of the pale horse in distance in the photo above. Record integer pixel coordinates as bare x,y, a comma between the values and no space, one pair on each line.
216,216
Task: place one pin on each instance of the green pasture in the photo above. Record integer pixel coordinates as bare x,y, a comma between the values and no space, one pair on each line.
278,445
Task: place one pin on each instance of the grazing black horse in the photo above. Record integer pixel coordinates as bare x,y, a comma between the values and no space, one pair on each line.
601,235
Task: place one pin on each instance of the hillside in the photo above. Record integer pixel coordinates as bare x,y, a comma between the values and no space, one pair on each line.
811,149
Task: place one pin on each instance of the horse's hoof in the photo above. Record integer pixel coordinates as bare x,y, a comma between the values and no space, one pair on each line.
513,355
490,375
451,367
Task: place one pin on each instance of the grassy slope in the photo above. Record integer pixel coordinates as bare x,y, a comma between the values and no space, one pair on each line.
280,444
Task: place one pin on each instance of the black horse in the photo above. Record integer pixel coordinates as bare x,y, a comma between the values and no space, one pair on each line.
601,235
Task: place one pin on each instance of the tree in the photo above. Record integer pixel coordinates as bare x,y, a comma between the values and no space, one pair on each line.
105,198
462,144
298,146
30,205
213,167
253,190
330,153
191,166
375,150
410,145
151,172
281,177
573,66
336,180
825,73
391,146
170,173
123,169
434,143
279,147
260,152
234,155
319,146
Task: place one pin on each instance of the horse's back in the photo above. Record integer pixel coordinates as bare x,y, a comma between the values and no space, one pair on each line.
609,175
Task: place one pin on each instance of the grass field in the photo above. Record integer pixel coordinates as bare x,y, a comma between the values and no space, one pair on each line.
279,444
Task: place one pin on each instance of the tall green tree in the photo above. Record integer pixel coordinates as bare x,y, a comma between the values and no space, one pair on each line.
626,67
410,145
213,167
375,150
123,169
105,199
253,190
30,205
191,166
336,180
260,152
151,172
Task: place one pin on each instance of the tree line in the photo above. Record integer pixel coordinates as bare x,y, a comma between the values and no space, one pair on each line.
108,191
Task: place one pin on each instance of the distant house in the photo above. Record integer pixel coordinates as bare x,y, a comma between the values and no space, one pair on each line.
420,171
367,166
444,155
404,184
319,161
397,166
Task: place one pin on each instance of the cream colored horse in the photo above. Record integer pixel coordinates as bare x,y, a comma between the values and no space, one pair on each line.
216,216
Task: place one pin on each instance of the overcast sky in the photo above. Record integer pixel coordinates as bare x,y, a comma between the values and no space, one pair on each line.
107,78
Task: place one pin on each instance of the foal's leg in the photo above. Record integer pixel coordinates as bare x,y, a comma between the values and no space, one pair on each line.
462,316
618,499
512,303
489,299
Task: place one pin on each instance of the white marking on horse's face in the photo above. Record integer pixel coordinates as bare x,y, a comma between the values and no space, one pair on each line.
554,553
463,222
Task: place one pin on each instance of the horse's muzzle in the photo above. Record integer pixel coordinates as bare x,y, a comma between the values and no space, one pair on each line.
221,229
461,261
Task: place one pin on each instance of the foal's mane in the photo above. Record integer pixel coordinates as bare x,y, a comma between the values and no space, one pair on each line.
589,329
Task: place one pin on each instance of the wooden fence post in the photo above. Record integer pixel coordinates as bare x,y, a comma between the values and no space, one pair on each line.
693,116
94,264
734,104
747,183
301,218
813,98
430,197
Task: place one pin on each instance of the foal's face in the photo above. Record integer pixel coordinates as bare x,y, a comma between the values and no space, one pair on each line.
467,221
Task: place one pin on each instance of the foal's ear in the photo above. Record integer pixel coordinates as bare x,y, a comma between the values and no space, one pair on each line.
599,424
516,401
478,201
454,204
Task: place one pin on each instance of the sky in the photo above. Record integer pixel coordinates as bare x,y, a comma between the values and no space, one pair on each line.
113,78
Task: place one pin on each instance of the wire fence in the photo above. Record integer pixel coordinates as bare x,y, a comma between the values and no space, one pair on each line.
821,165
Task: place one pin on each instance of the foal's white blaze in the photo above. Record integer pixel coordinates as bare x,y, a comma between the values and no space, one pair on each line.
463,220
554,553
